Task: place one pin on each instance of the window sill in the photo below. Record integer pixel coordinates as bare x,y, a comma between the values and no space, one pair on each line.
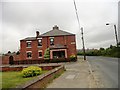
52,45
39,46
28,47
29,58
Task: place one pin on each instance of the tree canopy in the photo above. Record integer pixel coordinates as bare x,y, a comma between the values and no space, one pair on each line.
112,51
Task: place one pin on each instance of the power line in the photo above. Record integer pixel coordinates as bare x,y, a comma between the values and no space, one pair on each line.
81,29
77,14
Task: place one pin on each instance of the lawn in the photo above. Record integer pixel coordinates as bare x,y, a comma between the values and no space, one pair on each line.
12,79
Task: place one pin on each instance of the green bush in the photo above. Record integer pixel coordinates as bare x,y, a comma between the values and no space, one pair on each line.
31,71
47,54
73,57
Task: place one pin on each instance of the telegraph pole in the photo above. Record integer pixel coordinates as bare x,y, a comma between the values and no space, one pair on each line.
83,43
80,29
115,33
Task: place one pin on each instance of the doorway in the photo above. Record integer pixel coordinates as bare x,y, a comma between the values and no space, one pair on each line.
11,60
58,54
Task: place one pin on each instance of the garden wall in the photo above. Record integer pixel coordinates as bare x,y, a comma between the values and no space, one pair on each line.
41,81
20,67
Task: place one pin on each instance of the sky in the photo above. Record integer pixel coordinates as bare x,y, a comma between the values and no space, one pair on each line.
22,18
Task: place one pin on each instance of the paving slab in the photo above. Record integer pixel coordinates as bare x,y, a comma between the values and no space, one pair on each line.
77,75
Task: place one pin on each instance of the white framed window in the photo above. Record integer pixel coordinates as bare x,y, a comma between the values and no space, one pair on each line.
51,41
39,42
28,44
39,38
40,54
29,54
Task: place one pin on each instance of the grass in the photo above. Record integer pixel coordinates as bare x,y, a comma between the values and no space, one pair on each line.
12,79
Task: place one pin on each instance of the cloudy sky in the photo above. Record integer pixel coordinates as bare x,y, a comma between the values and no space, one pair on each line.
21,19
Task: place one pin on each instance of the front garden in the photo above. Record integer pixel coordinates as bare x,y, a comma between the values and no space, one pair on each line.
14,78
30,77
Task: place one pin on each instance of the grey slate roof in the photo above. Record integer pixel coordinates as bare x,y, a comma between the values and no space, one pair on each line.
29,38
56,32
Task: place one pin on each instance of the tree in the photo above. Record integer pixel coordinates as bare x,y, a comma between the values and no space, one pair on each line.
111,46
47,54
118,44
102,49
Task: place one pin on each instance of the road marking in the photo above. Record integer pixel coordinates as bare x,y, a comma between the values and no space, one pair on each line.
70,77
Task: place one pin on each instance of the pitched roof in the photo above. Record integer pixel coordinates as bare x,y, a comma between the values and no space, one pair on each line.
29,38
56,32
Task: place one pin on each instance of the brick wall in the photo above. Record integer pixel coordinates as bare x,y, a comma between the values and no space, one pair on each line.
69,41
20,68
5,58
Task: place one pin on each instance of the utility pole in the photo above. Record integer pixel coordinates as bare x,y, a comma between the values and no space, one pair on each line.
80,29
115,33
83,43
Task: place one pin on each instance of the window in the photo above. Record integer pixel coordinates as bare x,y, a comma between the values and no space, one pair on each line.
28,43
29,54
39,42
51,41
40,53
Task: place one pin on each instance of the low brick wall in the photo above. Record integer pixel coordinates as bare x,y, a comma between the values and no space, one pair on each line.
20,67
41,81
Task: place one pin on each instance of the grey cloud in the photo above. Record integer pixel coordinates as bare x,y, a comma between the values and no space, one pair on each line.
22,19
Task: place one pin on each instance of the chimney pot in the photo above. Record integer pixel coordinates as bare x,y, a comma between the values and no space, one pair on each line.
55,27
37,33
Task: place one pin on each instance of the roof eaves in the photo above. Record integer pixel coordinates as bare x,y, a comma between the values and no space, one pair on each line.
28,38
56,33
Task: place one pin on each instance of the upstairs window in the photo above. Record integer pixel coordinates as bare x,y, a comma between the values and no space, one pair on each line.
29,54
39,42
29,44
52,41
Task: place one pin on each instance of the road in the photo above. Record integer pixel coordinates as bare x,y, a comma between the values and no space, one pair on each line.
105,70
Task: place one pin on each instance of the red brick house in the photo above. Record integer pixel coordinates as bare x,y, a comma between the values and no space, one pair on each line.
61,44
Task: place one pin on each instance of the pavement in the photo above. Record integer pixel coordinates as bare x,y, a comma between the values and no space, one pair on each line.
77,75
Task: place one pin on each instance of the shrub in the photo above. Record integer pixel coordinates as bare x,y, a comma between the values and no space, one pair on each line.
31,71
73,57
47,54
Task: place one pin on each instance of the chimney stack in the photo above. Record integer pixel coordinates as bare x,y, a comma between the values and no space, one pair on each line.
56,27
37,33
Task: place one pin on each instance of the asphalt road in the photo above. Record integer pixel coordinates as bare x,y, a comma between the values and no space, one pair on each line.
105,69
